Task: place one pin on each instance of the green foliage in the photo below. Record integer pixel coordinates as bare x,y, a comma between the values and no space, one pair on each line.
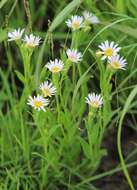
62,148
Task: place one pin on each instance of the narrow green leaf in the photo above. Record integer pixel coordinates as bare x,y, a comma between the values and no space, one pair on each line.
120,6
3,35
20,76
2,3
85,147
64,13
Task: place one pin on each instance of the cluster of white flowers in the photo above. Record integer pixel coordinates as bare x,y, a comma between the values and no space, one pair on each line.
40,101
76,22
30,41
57,65
109,50
48,89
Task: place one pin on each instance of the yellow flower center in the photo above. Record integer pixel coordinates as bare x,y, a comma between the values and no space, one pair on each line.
75,25
38,104
115,65
108,52
95,104
55,69
30,45
17,38
46,92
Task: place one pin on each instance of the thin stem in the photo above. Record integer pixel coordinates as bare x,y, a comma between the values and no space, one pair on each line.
122,159
105,174
26,55
55,78
28,14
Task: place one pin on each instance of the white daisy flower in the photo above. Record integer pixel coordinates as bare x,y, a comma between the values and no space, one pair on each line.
94,100
55,66
108,49
31,41
74,55
76,22
90,18
15,35
38,102
117,62
48,89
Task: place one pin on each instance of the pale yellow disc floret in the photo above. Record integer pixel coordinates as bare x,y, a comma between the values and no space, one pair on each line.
75,25
116,65
46,92
108,52
55,69
38,104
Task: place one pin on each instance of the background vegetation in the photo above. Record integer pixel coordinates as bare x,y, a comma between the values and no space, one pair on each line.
36,152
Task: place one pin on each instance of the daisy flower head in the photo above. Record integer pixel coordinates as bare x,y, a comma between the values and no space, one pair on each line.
94,100
48,89
90,18
117,62
15,35
38,102
75,22
32,41
73,55
108,49
55,66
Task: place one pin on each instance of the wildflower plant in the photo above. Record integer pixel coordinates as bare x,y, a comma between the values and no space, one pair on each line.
15,35
90,18
95,131
31,41
55,66
117,62
65,105
38,102
108,49
75,22
94,100
27,45
47,89
73,55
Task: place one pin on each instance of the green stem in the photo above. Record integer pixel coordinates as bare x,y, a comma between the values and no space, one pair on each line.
41,131
55,78
74,74
67,64
27,72
89,129
26,55
122,159
105,174
74,42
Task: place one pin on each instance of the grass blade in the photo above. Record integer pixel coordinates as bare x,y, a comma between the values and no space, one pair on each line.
124,167
64,13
